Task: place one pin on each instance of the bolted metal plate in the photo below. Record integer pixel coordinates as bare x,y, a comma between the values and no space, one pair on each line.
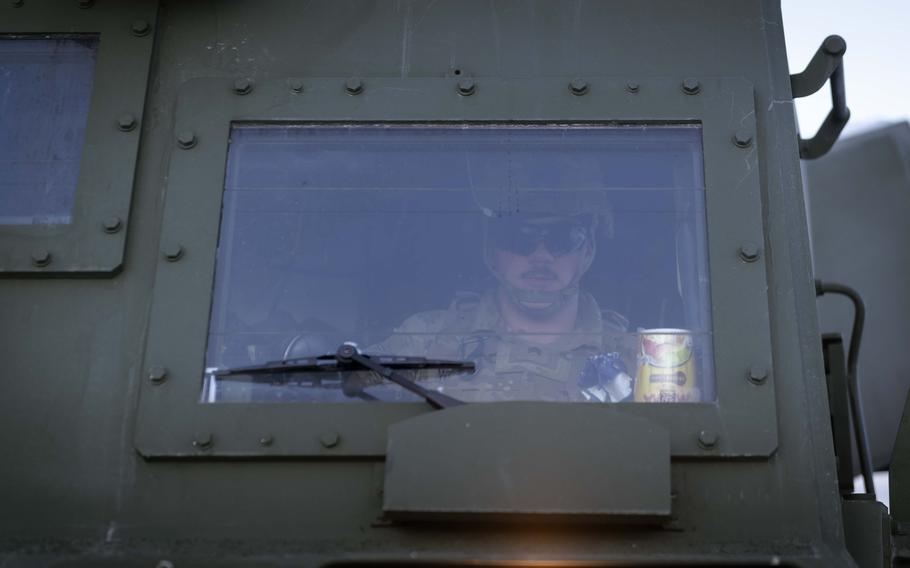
499,461
742,422
90,245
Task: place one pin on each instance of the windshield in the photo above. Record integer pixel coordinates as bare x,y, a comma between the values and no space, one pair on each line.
568,262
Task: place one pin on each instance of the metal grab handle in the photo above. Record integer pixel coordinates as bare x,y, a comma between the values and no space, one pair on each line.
828,62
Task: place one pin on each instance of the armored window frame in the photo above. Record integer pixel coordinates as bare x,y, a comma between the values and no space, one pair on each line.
171,422
92,244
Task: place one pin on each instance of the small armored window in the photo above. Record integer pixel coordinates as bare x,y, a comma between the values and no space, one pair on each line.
45,88
567,263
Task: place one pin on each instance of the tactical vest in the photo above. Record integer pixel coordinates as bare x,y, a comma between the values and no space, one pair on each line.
512,368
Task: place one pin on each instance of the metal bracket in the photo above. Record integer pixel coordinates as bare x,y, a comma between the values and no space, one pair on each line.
838,394
827,63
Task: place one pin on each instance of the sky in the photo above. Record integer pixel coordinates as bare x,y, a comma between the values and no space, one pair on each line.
876,73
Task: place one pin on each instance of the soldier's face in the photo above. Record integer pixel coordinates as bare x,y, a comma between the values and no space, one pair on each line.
541,270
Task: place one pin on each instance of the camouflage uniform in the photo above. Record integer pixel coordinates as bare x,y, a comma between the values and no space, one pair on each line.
508,366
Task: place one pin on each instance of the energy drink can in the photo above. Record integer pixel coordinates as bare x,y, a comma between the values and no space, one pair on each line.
666,367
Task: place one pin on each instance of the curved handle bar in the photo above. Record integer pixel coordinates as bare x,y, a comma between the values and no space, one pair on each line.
827,63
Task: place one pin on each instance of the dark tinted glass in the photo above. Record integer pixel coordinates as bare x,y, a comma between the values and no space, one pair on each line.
569,263
45,87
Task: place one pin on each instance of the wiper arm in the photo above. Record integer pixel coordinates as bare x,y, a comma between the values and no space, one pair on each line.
349,358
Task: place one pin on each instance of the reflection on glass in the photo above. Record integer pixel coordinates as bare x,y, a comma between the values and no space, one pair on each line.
569,263
45,86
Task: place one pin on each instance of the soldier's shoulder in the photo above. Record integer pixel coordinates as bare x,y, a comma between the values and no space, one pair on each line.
614,321
464,306
429,321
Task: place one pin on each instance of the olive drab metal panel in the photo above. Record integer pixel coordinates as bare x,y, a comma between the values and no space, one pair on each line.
110,457
741,423
464,465
93,243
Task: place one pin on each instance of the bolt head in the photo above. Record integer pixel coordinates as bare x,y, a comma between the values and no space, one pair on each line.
691,86
112,224
243,86
126,122
743,138
578,86
467,87
186,139
141,28
18,3
165,564
707,439
266,441
329,439
296,85
748,251
353,86
346,351
86,3
173,252
157,374
41,257
203,441
758,374
632,87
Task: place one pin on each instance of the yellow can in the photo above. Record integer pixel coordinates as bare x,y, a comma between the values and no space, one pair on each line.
666,368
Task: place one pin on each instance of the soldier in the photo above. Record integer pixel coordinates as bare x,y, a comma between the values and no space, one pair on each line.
536,335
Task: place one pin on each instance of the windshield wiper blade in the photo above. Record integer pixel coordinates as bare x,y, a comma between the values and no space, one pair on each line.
349,358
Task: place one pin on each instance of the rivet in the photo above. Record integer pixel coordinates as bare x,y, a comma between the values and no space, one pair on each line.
18,3
243,86
466,87
707,439
329,439
758,374
157,375
186,139
126,122
296,85
173,252
578,86
266,441
743,138
165,564
86,3
632,87
353,86
141,28
748,251
112,224
691,86
203,441
41,257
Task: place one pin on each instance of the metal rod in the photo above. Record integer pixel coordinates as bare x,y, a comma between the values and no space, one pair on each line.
435,399
856,407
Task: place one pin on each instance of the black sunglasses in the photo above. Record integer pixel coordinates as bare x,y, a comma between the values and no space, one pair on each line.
523,238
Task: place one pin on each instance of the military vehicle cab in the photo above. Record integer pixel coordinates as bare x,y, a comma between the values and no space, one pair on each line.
420,284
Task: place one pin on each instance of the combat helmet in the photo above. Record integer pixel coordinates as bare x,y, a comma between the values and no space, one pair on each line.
563,220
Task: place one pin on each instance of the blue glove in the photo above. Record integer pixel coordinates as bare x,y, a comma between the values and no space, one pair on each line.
605,379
